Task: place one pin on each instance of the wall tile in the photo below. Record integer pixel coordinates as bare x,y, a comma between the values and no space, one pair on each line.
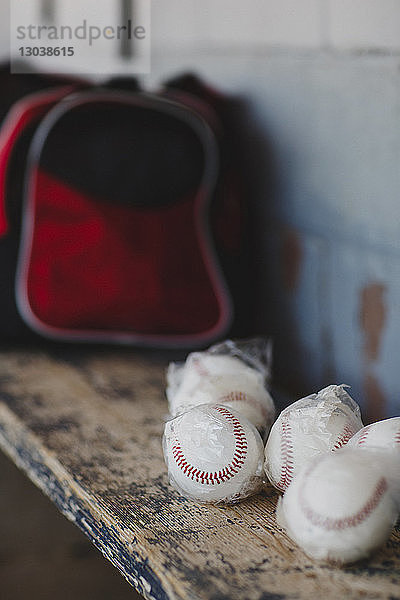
292,23
176,24
259,22
364,24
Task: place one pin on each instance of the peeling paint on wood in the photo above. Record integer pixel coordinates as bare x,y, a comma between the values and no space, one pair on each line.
375,399
292,256
372,318
88,433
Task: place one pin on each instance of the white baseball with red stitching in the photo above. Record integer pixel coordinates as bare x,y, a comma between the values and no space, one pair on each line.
207,378
311,426
213,454
183,379
340,507
253,402
381,434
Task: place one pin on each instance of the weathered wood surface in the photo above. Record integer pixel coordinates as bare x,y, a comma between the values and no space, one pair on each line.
87,431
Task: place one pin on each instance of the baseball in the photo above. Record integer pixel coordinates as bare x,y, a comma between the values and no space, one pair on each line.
207,378
213,454
382,434
340,507
252,401
183,379
308,427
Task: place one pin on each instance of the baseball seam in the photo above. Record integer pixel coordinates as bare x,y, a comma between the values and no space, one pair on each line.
287,458
228,472
330,524
237,396
344,437
397,437
362,439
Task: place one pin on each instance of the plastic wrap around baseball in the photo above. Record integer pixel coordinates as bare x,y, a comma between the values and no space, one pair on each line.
344,504
232,373
312,425
213,454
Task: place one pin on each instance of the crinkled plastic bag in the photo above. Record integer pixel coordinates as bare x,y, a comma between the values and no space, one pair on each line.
235,373
213,454
312,425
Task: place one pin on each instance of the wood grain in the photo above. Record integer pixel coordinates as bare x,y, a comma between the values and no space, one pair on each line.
87,430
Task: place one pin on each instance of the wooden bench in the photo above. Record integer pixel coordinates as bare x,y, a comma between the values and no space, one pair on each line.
85,426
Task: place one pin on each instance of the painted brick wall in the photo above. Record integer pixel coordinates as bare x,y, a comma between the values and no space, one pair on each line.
321,83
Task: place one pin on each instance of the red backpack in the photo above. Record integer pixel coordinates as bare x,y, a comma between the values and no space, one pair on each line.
121,215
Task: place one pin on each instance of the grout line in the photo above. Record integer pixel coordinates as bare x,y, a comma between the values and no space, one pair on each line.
272,50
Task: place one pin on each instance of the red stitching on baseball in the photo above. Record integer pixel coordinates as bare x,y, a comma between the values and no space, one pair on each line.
397,437
216,477
368,429
346,434
364,435
237,396
330,524
286,455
